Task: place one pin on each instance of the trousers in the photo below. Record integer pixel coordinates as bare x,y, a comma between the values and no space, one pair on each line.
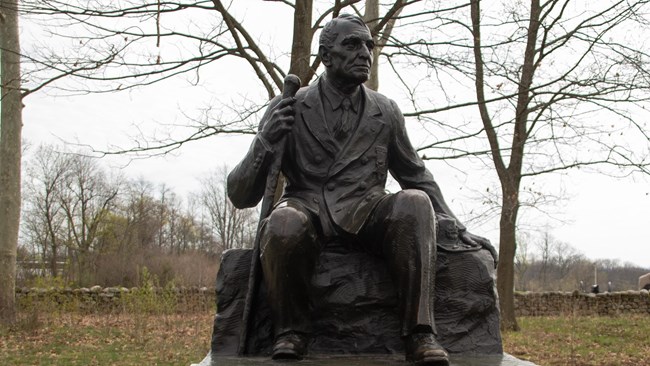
401,229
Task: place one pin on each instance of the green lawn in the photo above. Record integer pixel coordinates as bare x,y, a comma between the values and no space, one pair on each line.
582,341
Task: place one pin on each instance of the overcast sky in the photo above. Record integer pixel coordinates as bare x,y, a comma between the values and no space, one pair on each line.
602,217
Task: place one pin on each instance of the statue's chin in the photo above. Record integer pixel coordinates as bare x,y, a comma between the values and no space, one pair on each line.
349,78
359,78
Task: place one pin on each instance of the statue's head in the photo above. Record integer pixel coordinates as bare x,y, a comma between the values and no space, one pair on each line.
346,50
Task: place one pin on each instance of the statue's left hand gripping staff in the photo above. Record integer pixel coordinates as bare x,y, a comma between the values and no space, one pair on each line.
289,90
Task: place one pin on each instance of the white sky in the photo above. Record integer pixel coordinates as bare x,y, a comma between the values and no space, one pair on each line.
602,217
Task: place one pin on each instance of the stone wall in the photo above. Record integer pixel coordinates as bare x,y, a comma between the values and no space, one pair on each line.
526,303
581,304
96,298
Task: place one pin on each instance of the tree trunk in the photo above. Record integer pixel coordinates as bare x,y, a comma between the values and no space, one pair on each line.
301,45
10,150
300,58
510,181
371,17
507,250
53,264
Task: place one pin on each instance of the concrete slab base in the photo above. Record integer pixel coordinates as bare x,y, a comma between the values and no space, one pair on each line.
371,360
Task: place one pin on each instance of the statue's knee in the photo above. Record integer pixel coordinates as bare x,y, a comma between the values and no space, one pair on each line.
412,201
286,223
287,234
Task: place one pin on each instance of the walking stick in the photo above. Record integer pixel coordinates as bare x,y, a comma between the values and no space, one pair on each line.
289,89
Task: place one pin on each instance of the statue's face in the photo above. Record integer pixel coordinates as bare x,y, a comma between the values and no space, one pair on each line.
350,58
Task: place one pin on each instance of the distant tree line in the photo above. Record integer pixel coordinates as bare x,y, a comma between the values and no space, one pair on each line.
548,264
91,225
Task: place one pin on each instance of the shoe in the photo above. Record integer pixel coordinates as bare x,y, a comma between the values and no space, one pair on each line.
289,346
423,350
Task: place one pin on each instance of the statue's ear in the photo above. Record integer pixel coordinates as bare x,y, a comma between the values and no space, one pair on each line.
325,56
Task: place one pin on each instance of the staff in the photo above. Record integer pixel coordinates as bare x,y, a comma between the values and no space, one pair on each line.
289,90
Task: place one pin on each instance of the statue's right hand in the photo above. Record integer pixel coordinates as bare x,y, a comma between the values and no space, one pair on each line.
280,121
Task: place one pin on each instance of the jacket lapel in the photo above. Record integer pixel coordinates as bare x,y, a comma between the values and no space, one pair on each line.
313,115
370,125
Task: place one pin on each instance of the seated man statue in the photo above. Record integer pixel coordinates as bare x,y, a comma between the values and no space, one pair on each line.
338,141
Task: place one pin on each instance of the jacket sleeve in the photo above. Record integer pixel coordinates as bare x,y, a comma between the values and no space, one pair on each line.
247,181
408,169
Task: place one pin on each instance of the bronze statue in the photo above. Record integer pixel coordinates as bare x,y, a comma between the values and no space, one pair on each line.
338,141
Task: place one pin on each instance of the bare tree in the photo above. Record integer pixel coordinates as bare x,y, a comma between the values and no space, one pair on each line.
557,85
43,222
108,46
234,228
174,222
523,259
103,229
381,33
87,198
558,266
148,218
545,247
10,155
565,257
144,217
544,102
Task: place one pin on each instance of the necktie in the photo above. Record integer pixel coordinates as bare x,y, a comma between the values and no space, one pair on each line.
342,129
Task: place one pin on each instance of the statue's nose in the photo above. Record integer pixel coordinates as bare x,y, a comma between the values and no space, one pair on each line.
365,53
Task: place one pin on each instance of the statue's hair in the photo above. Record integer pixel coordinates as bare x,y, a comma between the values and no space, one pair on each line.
328,36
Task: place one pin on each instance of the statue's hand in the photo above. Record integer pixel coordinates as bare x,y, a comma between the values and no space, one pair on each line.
280,121
475,240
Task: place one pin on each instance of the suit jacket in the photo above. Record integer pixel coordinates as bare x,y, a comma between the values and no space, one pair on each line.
350,180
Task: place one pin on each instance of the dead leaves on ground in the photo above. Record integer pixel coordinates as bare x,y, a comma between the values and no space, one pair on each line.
109,339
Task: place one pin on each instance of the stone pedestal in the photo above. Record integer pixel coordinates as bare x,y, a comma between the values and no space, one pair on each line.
354,305
456,360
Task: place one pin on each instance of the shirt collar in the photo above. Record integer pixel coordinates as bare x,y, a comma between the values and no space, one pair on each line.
335,97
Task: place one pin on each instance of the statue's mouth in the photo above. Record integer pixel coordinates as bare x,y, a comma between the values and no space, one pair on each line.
365,68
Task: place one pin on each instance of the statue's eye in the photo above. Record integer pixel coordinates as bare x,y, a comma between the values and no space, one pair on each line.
352,43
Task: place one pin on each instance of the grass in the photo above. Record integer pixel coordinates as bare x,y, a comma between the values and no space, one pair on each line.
118,339
143,327
582,341
135,337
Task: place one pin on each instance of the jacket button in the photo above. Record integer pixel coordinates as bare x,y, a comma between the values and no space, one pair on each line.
316,200
318,159
363,186
331,186
364,160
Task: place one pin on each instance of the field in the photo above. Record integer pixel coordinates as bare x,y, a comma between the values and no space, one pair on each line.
146,338
582,341
117,340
